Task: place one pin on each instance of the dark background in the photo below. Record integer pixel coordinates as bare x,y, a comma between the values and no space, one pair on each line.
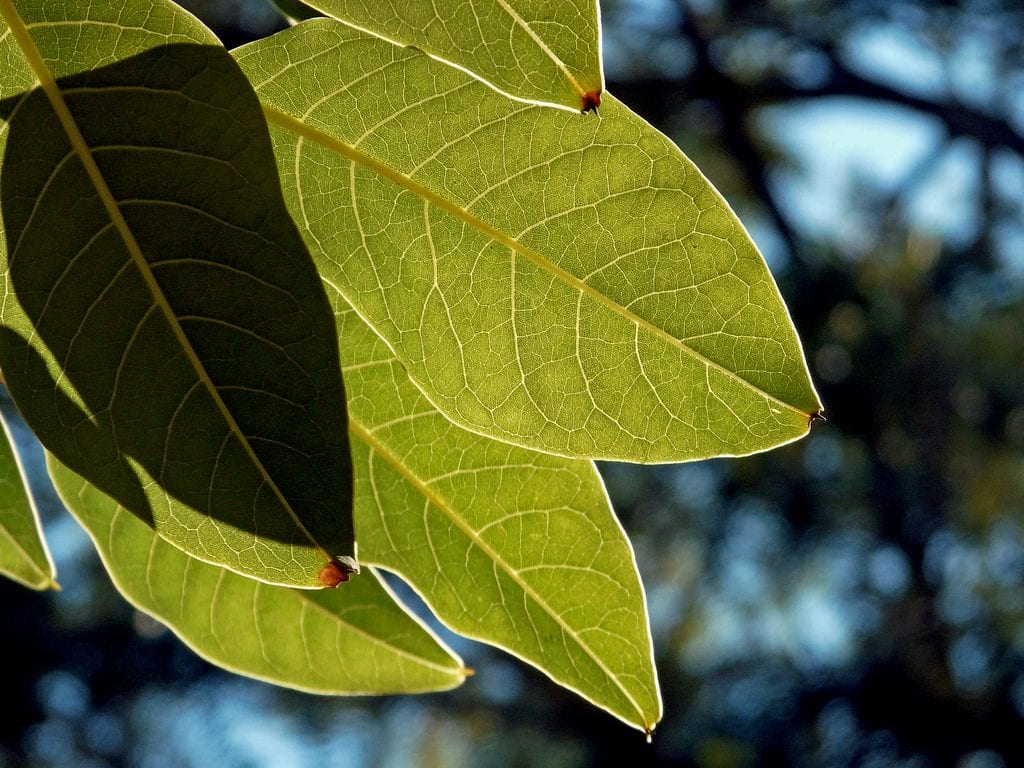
853,599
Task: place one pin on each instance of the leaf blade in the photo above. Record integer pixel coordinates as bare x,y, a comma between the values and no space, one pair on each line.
24,556
158,336
279,635
541,52
514,548
575,287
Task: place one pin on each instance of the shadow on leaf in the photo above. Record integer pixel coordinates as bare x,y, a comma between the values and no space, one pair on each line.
167,316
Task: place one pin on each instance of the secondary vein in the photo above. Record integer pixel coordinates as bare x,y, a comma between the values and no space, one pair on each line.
444,506
522,23
324,139
81,148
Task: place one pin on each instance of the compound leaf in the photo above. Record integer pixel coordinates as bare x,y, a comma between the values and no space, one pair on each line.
23,553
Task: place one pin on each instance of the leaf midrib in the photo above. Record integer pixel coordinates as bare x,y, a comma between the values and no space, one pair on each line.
47,576
539,42
26,557
304,595
443,505
304,130
298,594
44,76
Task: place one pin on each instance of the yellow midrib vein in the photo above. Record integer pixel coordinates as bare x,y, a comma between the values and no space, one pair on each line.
539,42
439,502
108,554
305,596
304,130
81,149
47,577
6,534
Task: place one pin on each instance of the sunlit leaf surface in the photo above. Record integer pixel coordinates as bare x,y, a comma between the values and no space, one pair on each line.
23,555
532,49
509,546
165,332
354,639
568,284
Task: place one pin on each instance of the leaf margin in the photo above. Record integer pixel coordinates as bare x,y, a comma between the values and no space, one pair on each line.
57,470
48,576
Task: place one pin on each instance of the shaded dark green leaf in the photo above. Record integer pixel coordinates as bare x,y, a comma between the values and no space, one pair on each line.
165,332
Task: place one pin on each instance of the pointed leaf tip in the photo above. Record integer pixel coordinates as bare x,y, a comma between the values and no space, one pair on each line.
585,290
336,572
514,548
366,641
24,556
537,51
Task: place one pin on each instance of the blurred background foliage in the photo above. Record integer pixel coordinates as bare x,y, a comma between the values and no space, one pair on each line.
853,599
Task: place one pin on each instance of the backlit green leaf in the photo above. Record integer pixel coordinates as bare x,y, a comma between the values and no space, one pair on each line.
165,332
570,285
537,50
509,546
355,639
23,555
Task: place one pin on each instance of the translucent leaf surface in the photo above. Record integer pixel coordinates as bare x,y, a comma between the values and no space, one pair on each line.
509,546
355,639
566,284
23,554
165,332
537,50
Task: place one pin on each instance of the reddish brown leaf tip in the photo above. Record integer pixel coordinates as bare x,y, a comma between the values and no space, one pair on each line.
649,733
816,416
591,101
332,574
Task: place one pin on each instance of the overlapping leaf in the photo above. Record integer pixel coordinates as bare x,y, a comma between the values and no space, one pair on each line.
532,49
569,284
165,332
509,546
357,639
23,554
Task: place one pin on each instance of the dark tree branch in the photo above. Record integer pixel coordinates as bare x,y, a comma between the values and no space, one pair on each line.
663,95
737,99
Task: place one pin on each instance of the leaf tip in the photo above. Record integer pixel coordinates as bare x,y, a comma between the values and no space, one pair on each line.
337,571
649,733
468,671
816,416
54,585
591,101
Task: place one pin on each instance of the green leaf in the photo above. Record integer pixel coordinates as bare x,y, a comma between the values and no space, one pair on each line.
165,332
537,50
512,547
356,639
570,285
23,554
